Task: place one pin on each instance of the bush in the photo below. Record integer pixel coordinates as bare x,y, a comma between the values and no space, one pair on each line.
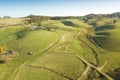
21,33
115,74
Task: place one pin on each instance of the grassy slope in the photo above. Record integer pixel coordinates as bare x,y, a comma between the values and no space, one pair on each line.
62,24
62,60
74,23
66,66
57,25
108,39
101,22
34,41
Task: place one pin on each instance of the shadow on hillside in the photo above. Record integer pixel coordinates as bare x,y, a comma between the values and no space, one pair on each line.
107,43
68,23
105,27
1,61
100,40
114,73
102,33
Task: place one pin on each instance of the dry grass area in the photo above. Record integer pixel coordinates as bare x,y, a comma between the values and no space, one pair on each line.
12,22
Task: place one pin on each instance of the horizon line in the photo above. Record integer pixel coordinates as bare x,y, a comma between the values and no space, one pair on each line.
60,15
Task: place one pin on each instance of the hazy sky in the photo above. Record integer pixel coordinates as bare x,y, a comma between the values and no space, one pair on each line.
19,8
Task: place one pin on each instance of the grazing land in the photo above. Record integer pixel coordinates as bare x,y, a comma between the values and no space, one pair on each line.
57,48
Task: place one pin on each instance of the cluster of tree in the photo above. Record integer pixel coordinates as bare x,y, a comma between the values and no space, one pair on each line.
24,31
21,33
67,17
37,19
94,75
5,17
117,14
115,74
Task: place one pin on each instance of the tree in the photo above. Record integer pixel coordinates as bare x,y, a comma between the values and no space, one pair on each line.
37,19
21,33
114,21
115,74
5,17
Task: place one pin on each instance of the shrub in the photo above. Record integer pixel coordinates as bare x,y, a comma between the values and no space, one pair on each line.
21,33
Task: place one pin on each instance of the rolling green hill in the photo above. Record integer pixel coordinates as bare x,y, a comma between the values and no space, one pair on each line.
65,52
33,41
107,37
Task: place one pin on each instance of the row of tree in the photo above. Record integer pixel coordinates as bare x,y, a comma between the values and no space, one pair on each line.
39,19
67,17
5,17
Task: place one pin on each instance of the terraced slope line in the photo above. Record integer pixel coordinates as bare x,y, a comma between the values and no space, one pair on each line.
51,70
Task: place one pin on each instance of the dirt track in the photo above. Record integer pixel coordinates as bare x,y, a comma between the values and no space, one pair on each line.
89,65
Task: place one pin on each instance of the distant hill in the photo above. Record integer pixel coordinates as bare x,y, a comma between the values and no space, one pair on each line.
117,14
100,16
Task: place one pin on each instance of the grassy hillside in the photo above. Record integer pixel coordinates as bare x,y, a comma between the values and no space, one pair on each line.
33,41
74,23
63,53
96,22
107,37
56,24
65,24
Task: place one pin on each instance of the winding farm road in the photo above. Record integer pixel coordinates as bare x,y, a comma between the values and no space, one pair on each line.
88,65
